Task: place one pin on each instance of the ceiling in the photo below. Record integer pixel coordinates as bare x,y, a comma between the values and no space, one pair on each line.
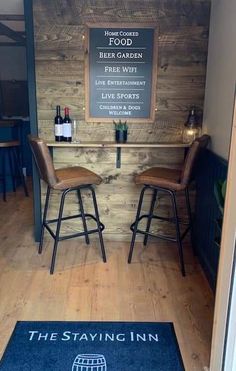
12,25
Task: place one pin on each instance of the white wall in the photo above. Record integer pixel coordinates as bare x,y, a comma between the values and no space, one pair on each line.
13,63
221,75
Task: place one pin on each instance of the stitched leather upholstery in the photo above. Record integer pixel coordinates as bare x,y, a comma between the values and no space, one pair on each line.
74,176
174,179
60,179
195,149
159,176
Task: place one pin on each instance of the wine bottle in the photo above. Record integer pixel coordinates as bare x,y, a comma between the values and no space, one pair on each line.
58,125
67,137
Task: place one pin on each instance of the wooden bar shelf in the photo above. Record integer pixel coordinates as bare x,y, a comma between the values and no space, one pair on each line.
118,146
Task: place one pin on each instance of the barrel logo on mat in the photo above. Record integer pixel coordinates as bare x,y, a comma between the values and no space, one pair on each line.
89,362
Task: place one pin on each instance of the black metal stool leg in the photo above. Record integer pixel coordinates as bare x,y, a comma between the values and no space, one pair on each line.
178,236
44,220
83,216
190,219
136,224
154,196
12,169
54,254
4,176
19,166
98,224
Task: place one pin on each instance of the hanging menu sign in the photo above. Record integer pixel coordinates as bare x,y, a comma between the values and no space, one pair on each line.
121,72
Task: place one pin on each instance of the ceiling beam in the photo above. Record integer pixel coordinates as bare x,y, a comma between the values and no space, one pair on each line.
4,30
12,17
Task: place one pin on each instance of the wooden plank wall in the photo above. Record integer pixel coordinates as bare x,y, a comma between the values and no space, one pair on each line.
59,27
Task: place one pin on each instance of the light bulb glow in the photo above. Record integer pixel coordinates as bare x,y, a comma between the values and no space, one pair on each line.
190,134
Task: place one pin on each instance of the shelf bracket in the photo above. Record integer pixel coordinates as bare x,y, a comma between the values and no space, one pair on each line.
118,157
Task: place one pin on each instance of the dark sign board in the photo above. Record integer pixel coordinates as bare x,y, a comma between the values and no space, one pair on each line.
121,72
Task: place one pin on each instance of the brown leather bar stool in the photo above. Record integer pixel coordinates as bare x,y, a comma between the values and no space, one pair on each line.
11,165
65,180
169,181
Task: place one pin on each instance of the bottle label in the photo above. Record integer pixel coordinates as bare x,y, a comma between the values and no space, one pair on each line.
58,130
67,130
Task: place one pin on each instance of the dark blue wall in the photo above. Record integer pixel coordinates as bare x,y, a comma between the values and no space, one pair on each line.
210,168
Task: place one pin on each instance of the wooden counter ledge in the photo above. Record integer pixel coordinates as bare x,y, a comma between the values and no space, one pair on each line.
118,145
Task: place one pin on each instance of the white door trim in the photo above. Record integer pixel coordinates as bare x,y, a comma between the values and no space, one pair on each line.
229,355
224,281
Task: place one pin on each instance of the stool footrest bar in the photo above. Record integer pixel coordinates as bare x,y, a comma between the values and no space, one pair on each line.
162,237
78,234
71,217
165,219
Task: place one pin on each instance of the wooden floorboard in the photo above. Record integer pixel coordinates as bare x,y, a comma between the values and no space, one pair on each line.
84,288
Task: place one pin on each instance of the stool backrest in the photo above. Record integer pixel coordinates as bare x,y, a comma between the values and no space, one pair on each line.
193,152
43,160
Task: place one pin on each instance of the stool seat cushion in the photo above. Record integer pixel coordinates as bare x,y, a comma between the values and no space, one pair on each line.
75,176
161,177
10,143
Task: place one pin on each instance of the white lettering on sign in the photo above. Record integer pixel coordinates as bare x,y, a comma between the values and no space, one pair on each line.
135,108
111,33
129,69
128,33
120,68
121,55
121,33
115,69
106,55
100,82
120,113
117,42
127,95
108,96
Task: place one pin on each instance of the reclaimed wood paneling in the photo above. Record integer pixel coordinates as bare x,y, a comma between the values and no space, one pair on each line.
59,27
